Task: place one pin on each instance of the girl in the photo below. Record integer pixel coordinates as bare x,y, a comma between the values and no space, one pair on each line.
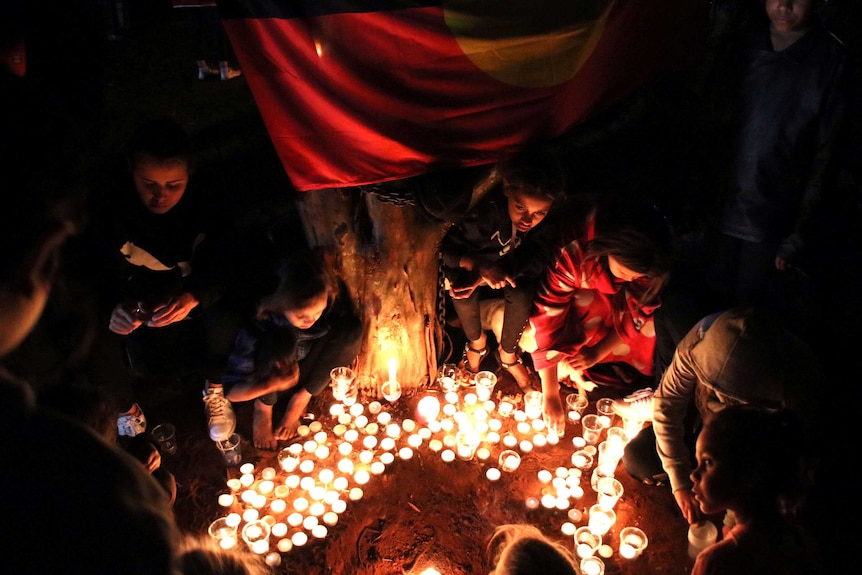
304,329
524,550
597,300
749,461
502,244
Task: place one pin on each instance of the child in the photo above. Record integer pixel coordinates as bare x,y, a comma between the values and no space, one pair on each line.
502,244
597,300
304,329
523,550
750,462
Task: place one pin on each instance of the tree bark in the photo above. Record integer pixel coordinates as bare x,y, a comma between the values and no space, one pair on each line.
387,255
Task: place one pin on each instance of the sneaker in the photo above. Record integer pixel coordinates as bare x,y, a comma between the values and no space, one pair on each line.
638,405
221,419
132,422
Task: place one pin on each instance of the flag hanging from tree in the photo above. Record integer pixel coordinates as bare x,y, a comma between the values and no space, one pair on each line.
355,92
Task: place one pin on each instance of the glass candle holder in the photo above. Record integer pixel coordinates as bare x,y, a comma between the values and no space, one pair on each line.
576,403
509,460
601,519
447,377
341,380
533,404
608,490
592,566
466,443
256,535
485,382
223,532
632,542
391,391
591,428
586,542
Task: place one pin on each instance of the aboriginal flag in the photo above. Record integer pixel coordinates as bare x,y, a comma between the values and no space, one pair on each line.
355,92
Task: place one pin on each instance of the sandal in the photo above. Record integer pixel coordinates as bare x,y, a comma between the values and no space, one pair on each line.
532,378
470,349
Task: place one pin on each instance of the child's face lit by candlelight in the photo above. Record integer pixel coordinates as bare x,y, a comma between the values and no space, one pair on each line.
304,317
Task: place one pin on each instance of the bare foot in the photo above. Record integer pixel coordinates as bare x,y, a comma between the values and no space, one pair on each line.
262,427
295,408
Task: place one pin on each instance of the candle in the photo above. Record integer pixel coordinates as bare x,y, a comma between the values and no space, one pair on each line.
393,368
377,468
339,506
428,408
532,503
592,566
375,407
361,477
509,460
405,453
408,425
356,494
226,499
632,542
330,518
369,442
544,476
341,483
284,545
299,538
493,474
447,455
246,468
601,519
273,559
278,506
294,519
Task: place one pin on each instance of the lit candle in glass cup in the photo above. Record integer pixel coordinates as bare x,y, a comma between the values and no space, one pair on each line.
485,382
256,535
509,460
586,542
609,490
601,519
447,377
632,542
592,566
223,532
342,382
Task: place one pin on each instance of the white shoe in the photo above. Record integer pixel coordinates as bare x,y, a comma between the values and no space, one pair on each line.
133,422
221,419
638,406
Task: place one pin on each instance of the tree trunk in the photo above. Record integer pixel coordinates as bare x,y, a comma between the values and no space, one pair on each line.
387,255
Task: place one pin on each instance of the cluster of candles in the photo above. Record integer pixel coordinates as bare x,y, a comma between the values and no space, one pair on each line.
318,475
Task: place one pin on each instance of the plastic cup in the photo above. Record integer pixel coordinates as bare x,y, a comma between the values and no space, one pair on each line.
447,377
231,449
166,435
485,382
700,536
591,428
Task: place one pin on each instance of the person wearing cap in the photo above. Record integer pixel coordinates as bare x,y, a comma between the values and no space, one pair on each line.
738,356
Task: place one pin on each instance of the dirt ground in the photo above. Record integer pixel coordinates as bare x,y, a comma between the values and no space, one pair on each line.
421,512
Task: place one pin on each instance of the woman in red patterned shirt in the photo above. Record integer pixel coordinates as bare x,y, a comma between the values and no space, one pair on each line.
596,302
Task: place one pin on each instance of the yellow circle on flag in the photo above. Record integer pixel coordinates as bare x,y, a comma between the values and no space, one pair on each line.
533,44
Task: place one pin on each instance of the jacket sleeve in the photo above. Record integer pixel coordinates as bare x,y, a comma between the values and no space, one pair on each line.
240,365
673,398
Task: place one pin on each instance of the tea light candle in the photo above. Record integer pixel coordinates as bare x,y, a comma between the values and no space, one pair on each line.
361,477
450,410
351,435
278,506
523,428
424,434
340,483
532,503
309,446
428,408
317,493
452,397
579,442
375,407
510,440
525,446
266,487
250,515
357,409
384,417
226,499
345,419
544,476
246,479
246,468
493,474
539,440
435,445
299,539
303,431
447,455
408,425
330,518
345,448
306,466
294,449
355,494
505,408
366,456
317,509
284,545
387,458
393,430
234,484
377,468
369,442
592,566
483,453
360,422
447,425
387,444
292,481
294,519
300,504
405,453
601,519
492,437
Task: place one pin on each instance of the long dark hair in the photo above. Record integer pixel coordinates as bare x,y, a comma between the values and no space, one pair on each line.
638,235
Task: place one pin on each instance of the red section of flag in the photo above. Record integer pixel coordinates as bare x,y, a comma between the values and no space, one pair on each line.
353,99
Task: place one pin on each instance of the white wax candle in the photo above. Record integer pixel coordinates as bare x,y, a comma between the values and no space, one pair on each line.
393,369
493,474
